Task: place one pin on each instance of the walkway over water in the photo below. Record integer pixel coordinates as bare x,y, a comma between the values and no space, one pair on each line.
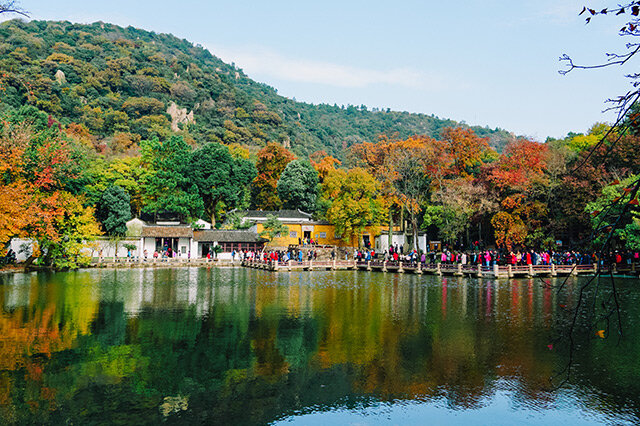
496,271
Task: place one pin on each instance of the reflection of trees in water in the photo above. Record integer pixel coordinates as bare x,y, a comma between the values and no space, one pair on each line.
254,346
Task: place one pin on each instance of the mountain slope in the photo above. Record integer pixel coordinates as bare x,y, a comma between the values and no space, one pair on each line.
121,84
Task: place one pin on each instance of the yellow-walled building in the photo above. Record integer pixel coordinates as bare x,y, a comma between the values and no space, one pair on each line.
302,228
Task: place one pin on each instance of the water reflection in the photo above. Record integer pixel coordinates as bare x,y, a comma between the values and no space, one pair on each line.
246,346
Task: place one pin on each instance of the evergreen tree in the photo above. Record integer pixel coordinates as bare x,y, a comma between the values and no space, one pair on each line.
298,186
167,187
114,210
219,177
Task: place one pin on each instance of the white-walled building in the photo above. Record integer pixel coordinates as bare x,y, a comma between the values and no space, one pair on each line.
228,240
399,239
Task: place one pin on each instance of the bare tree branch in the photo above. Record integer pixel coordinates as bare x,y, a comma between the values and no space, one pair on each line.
13,7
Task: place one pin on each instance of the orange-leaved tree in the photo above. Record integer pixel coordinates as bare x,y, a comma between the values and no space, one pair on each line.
509,229
522,164
42,174
373,157
323,163
15,199
272,161
519,177
465,149
414,166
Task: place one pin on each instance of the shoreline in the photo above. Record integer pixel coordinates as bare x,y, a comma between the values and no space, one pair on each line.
125,265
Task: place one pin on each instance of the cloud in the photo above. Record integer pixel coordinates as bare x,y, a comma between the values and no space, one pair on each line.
264,62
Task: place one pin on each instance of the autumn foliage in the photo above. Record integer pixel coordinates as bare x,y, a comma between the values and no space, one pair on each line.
522,164
40,170
272,161
464,148
323,163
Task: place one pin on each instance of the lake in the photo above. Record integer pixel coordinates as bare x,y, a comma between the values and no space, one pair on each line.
244,346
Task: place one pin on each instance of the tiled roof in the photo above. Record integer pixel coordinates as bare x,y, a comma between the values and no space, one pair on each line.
167,231
283,214
228,236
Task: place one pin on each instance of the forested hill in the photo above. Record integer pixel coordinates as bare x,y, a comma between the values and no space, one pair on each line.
121,83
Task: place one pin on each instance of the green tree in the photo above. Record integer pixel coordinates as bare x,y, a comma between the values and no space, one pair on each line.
114,210
272,228
168,188
236,221
619,202
298,186
219,177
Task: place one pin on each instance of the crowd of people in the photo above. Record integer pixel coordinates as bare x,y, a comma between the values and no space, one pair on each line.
488,258
292,254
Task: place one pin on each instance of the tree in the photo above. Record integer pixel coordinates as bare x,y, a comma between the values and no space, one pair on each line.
15,196
354,200
219,177
73,229
298,186
129,173
374,158
323,163
42,173
509,229
625,105
608,207
114,211
411,166
272,161
168,187
236,221
521,165
14,211
464,148
273,228
455,205
579,143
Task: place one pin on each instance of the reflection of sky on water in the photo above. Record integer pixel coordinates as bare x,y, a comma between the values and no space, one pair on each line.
501,408
331,347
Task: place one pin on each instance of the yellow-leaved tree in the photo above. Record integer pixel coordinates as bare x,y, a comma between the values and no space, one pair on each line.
355,202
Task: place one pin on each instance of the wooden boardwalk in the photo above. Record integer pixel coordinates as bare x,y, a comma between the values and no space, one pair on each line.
479,271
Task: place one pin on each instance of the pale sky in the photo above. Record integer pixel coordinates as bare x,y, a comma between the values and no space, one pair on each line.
489,62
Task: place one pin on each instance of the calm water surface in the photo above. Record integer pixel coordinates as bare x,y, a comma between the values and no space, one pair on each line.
237,346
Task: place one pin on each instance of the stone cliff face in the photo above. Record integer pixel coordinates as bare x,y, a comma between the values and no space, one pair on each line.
60,77
178,116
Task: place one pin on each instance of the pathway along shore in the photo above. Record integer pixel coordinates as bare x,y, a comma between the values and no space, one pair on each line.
479,271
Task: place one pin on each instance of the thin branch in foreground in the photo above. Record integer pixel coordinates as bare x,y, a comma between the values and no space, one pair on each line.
13,7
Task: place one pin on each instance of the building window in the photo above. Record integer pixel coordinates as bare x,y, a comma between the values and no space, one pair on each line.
321,235
293,234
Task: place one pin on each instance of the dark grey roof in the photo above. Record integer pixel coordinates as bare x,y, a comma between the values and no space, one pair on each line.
284,214
228,236
167,231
